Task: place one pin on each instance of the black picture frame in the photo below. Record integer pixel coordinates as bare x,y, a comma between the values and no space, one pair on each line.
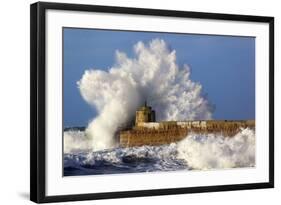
38,101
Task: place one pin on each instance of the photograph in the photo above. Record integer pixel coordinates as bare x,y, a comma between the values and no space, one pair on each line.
148,101
144,101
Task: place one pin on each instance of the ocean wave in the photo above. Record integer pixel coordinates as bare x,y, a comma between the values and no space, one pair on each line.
76,141
199,152
120,160
216,151
151,74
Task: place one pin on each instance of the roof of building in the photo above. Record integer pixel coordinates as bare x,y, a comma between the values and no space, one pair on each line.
145,107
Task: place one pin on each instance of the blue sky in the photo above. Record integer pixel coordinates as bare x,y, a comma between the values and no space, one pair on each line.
224,65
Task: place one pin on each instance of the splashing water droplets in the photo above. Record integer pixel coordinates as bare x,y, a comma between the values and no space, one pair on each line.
152,74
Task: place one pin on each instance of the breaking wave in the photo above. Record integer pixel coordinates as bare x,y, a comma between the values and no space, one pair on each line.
195,152
152,75
216,151
75,141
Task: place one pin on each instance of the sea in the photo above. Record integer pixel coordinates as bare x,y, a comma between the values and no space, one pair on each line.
195,152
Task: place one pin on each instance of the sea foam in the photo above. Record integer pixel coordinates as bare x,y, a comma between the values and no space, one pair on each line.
216,151
197,152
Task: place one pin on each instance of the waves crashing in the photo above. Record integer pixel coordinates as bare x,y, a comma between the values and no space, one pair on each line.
199,152
152,75
216,151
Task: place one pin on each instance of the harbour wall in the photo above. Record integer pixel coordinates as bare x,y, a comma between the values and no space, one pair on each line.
159,133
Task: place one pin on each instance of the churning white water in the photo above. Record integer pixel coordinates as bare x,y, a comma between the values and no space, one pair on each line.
216,151
152,75
199,152
75,141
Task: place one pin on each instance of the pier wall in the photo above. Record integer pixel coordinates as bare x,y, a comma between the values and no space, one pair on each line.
153,133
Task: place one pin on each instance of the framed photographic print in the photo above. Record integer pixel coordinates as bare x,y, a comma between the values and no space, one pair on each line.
129,102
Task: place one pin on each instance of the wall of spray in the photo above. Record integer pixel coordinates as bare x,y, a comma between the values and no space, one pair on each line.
152,75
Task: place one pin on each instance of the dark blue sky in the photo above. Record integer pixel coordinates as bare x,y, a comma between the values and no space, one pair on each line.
224,65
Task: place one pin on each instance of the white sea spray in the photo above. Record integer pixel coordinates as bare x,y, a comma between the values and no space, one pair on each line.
216,151
198,152
76,141
152,75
